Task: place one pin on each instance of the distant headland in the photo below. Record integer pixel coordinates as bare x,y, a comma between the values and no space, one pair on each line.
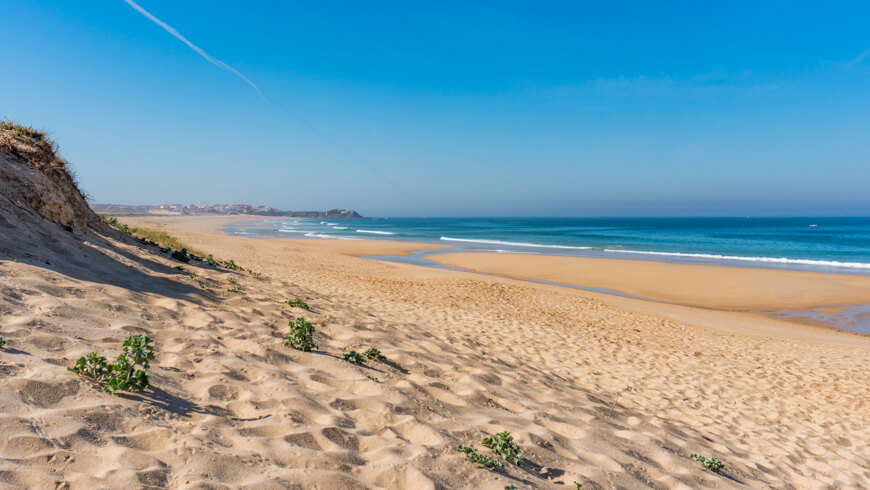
193,209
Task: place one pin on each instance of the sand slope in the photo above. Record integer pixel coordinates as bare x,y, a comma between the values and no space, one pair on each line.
595,393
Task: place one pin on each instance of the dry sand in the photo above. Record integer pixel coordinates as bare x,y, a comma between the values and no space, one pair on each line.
610,392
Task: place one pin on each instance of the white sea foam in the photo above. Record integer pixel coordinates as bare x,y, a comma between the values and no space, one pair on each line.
513,244
339,227
292,231
331,224
318,235
772,260
376,232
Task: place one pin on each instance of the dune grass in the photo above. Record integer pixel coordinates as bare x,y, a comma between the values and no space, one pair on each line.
157,237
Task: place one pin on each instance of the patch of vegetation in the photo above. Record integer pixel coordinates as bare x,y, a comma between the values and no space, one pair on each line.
232,280
301,336
710,464
355,357
202,285
510,487
121,375
374,355
376,380
297,303
180,267
577,486
473,456
256,274
192,275
180,255
2,342
211,261
503,445
17,130
229,264
235,289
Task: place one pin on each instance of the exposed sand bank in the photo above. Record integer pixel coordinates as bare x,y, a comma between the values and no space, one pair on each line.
735,288
607,391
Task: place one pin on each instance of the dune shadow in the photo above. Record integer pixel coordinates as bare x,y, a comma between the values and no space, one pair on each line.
163,400
14,351
93,258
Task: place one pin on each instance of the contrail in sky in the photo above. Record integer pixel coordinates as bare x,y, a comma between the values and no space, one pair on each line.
864,54
218,63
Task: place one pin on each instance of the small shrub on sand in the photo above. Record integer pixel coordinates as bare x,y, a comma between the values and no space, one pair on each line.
180,255
229,264
232,280
235,289
301,336
192,275
503,445
121,375
297,303
2,341
376,380
710,464
473,456
374,355
355,357
577,485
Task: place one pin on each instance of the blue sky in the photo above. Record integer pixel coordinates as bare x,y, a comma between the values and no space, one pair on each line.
455,108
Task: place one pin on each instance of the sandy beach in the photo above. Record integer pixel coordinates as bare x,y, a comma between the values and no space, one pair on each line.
733,288
607,391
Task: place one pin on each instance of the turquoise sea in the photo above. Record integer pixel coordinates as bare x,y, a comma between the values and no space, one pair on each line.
839,245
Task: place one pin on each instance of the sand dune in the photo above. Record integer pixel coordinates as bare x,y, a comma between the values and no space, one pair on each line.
594,391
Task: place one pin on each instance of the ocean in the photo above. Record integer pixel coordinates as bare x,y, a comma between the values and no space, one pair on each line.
838,245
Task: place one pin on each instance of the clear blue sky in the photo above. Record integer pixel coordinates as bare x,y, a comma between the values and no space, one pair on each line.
455,108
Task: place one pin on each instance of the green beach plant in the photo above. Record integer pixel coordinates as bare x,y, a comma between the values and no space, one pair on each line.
301,336
2,342
374,355
471,455
123,374
297,303
709,464
355,357
503,445
180,255
231,265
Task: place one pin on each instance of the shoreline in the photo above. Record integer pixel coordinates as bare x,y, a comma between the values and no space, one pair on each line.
708,287
788,295
770,259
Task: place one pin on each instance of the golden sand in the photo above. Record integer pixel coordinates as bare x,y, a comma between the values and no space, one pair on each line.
606,391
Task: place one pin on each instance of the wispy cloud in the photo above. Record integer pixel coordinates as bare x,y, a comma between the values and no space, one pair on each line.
861,57
220,64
